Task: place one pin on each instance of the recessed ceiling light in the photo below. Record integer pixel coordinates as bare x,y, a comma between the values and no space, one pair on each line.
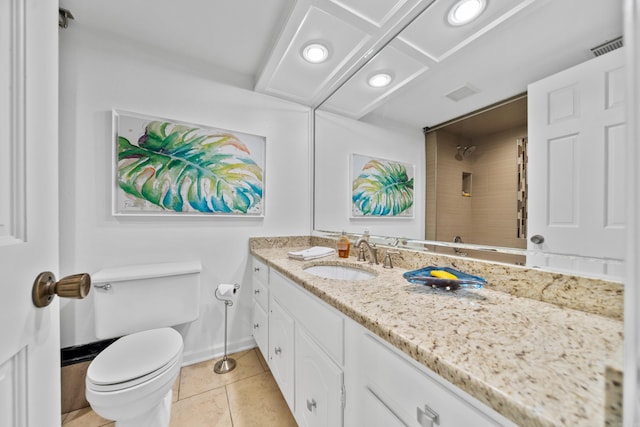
315,53
380,80
465,11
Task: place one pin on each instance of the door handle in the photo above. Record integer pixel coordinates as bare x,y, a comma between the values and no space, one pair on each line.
45,287
537,239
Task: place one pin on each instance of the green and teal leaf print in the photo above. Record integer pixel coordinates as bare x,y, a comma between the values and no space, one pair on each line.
382,188
180,169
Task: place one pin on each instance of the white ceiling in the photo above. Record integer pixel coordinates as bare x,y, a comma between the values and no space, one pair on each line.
514,42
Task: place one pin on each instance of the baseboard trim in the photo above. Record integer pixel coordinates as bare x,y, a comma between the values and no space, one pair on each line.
213,352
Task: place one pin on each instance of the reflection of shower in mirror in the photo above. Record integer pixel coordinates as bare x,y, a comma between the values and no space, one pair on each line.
463,152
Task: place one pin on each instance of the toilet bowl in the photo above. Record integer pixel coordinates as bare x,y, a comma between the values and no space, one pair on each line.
131,380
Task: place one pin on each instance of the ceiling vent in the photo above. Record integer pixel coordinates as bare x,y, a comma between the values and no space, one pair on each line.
607,47
462,92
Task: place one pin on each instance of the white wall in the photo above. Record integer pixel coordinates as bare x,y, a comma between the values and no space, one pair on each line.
98,75
338,137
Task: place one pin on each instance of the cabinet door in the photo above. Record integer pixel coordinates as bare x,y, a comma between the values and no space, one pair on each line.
318,385
281,349
261,329
322,322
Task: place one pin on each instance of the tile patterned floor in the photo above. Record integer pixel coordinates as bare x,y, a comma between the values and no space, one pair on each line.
245,397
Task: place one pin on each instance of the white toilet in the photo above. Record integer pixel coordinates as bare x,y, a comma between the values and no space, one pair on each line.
131,380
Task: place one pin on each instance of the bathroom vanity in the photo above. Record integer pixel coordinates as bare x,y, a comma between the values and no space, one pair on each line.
386,352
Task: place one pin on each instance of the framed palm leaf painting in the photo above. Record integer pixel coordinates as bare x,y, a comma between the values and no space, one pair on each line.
381,188
165,167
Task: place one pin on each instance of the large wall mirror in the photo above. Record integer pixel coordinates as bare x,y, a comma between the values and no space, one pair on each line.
454,113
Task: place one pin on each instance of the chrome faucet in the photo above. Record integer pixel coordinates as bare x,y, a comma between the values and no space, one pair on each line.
456,249
373,251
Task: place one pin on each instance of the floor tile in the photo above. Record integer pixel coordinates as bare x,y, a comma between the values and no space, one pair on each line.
257,401
208,409
248,396
200,377
85,417
175,391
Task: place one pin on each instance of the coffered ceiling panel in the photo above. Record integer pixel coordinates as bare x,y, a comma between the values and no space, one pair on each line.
295,78
256,45
376,12
353,30
450,39
357,98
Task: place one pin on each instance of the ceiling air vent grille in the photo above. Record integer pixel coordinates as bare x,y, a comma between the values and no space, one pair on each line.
607,47
462,92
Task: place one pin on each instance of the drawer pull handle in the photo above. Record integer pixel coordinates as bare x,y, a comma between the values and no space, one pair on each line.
256,269
256,325
277,350
311,404
257,291
427,417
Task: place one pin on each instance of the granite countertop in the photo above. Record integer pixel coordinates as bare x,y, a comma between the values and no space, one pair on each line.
536,363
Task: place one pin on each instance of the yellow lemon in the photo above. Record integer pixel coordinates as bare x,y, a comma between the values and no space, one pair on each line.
443,274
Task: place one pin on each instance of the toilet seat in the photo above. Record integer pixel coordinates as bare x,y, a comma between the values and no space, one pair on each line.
135,359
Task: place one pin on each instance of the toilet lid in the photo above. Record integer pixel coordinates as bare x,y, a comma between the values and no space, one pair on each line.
134,356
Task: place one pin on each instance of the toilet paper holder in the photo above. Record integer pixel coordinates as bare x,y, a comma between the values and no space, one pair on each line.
224,292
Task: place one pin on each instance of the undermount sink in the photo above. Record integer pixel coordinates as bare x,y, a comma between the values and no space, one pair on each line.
340,272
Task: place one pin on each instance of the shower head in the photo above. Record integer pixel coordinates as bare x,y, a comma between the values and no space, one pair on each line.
468,150
462,153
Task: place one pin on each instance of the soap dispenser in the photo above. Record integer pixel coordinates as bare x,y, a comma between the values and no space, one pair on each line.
343,245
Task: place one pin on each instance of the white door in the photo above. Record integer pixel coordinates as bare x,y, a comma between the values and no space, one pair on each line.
29,336
576,168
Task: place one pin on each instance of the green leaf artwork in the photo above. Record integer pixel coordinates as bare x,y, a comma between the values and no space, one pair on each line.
382,188
179,168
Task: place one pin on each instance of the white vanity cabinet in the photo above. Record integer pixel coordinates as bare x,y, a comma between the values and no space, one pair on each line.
306,350
334,372
260,284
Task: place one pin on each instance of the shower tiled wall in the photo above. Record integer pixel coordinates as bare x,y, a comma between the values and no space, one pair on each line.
490,215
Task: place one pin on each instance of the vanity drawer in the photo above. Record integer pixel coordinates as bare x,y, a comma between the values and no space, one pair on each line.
322,322
377,413
260,272
261,294
408,393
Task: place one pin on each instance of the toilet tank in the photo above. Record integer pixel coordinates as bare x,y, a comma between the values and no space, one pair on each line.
135,298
